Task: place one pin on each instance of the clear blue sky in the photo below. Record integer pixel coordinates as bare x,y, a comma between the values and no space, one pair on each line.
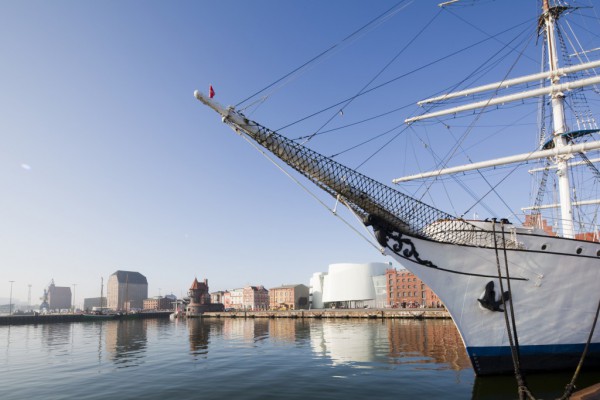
107,161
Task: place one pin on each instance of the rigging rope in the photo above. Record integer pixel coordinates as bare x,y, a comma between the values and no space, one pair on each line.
358,122
377,75
381,16
591,166
457,146
315,197
571,385
464,49
522,386
542,187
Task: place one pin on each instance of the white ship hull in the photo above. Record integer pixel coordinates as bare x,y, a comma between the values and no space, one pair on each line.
552,291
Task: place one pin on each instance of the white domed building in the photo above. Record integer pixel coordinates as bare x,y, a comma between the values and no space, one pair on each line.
348,285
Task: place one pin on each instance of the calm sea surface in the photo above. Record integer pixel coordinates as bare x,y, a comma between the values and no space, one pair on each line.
249,359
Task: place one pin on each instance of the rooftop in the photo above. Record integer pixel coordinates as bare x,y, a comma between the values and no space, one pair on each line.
130,277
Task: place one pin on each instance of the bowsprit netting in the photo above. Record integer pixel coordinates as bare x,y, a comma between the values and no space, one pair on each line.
379,205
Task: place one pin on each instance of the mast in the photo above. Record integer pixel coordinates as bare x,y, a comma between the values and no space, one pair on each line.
562,150
549,16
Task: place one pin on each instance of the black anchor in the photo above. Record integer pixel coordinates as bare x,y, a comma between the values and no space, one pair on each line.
489,298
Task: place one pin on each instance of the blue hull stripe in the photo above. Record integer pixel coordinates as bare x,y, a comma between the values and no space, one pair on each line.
498,360
551,349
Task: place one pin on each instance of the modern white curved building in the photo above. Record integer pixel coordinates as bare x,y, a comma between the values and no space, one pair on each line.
349,286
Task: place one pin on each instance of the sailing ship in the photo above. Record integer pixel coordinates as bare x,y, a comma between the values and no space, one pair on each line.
522,296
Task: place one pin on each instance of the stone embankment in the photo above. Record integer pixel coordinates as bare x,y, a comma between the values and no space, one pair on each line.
54,318
366,313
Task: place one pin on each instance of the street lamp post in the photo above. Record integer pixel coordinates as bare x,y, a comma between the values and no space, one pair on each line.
10,301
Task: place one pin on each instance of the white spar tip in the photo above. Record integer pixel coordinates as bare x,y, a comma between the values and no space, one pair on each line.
204,99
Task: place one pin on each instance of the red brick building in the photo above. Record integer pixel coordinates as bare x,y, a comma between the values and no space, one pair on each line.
255,298
405,290
536,221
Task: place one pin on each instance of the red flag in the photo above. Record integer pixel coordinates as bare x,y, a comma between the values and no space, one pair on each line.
211,92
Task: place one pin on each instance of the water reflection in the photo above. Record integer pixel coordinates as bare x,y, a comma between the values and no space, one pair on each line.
248,330
126,341
199,332
290,330
56,336
351,358
245,330
424,341
391,341
347,342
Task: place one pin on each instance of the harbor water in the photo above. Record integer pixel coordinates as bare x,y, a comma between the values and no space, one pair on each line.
216,358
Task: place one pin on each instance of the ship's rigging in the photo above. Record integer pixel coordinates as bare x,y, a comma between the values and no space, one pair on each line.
550,86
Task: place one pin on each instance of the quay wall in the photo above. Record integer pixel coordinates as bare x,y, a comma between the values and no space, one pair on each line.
340,313
55,318
316,314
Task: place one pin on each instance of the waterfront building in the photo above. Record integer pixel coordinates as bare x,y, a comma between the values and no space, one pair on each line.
289,297
200,300
255,298
158,303
234,298
405,290
59,297
227,299
199,297
217,297
126,290
91,302
348,285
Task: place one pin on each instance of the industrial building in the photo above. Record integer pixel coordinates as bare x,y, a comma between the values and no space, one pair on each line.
59,297
126,290
91,302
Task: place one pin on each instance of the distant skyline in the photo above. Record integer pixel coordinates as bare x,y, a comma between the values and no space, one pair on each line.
109,163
